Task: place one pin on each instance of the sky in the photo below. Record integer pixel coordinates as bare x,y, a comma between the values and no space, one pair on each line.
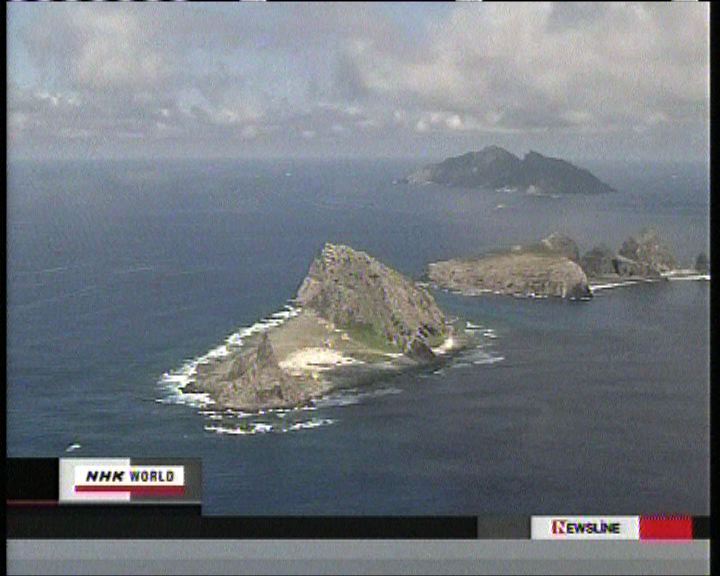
408,80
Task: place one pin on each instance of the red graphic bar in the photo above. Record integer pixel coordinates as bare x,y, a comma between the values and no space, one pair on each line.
135,490
669,528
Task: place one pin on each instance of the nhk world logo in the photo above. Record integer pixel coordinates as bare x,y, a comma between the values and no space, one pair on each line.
585,527
126,480
145,480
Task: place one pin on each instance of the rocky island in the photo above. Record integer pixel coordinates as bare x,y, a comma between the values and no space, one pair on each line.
548,268
495,168
357,318
554,267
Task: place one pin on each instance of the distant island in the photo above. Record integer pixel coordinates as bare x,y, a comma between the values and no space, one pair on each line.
554,267
358,318
495,168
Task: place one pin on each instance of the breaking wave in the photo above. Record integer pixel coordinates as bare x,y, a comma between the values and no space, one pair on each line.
608,286
266,427
279,420
690,277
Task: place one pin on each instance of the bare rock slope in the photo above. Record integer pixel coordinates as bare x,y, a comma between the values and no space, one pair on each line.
355,291
553,267
645,257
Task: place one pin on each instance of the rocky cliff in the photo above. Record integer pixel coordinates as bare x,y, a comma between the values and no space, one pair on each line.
644,257
649,252
553,267
542,269
252,379
496,168
358,293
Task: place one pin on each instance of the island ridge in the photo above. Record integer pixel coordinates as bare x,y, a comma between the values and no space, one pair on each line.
494,168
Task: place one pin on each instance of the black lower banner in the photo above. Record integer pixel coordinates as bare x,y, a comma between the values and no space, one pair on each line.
131,498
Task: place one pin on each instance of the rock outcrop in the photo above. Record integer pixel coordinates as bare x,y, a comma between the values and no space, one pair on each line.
645,257
496,168
356,292
629,268
519,272
648,253
255,379
553,267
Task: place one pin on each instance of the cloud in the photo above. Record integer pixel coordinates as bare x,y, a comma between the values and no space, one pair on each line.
202,78
549,66
110,49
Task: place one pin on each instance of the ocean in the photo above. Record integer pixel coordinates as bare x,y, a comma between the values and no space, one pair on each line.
122,273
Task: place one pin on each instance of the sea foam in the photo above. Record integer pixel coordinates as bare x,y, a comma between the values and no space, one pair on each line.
265,427
690,277
596,287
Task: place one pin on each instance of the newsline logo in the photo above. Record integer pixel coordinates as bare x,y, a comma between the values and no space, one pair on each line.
602,527
585,527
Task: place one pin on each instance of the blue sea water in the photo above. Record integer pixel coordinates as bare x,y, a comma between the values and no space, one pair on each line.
119,272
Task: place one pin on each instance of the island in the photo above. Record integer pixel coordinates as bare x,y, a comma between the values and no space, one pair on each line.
494,168
553,267
547,268
358,319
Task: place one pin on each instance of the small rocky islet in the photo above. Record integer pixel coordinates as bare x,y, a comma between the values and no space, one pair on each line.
358,319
